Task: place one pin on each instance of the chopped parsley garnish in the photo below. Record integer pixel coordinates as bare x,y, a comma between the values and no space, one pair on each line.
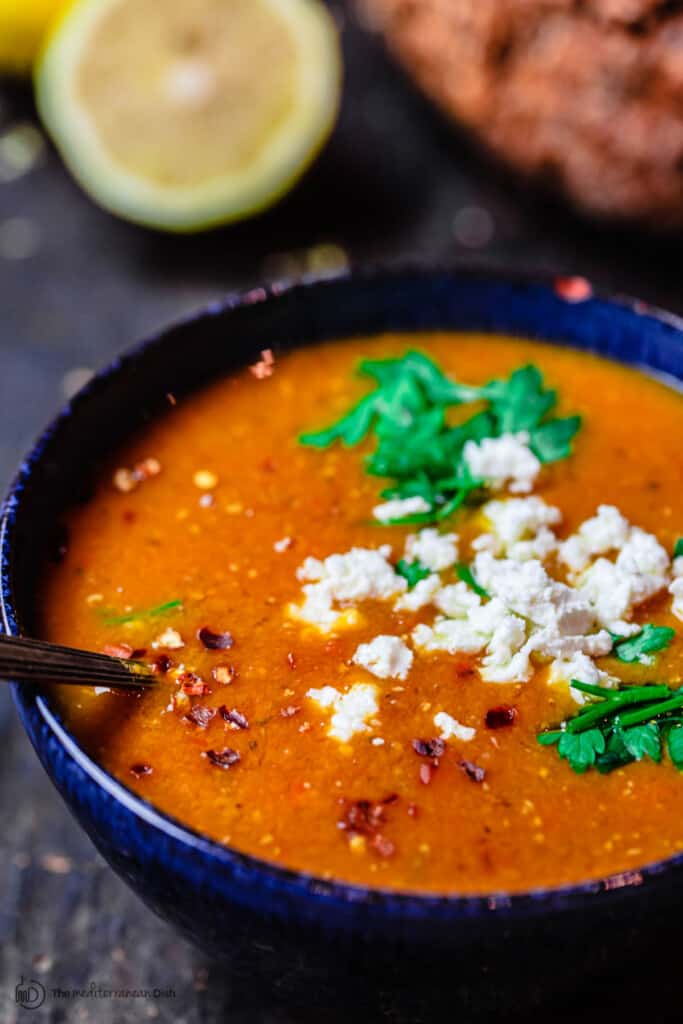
678,548
638,648
621,726
156,612
467,576
421,451
413,572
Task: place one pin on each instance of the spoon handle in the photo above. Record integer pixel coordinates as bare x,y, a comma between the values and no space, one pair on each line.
36,661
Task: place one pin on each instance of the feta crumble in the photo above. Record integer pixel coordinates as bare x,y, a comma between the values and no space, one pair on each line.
503,460
399,508
423,593
520,529
434,550
450,727
350,709
583,669
385,656
606,531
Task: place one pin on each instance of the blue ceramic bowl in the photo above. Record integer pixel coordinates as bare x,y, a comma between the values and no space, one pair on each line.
226,901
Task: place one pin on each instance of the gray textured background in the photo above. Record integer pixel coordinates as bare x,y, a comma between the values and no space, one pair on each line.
76,287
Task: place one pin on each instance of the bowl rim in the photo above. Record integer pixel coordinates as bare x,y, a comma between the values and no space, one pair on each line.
403,903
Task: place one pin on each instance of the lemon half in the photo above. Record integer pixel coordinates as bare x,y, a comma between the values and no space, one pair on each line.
185,114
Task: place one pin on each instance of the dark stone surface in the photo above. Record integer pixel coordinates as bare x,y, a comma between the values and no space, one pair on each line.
391,186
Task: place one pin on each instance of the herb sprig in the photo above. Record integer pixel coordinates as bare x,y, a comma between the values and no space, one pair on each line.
416,446
156,612
621,726
640,647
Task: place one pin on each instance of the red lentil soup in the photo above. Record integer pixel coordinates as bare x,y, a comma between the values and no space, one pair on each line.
429,777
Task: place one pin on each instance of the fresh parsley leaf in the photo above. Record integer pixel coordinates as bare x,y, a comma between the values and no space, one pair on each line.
674,745
350,429
643,741
639,647
147,613
552,441
581,749
615,754
467,576
413,572
678,548
520,403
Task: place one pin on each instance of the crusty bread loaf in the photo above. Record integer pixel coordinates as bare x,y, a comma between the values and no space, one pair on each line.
585,93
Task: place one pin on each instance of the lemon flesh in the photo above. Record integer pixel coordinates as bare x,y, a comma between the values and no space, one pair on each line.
182,115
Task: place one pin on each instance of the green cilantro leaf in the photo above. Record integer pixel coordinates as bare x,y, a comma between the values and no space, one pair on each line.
674,744
643,741
639,647
520,403
413,572
581,749
678,548
552,441
467,576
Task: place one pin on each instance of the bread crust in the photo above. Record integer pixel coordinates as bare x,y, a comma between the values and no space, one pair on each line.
586,94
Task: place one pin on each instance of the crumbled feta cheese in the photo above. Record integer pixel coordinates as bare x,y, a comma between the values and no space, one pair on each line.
456,600
519,520
451,635
399,508
451,727
503,460
423,593
351,709
358,575
434,550
583,669
170,639
606,531
507,653
616,588
676,588
385,656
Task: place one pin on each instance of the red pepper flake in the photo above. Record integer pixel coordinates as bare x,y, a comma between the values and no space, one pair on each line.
140,770
118,650
225,758
215,641
265,366
162,663
224,674
171,398
128,515
146,468
192,685
290,711
291,659
139,653
463,668
383,846
501,716
235,718
413,810
573,289
430,748
472,771
200,715
426,772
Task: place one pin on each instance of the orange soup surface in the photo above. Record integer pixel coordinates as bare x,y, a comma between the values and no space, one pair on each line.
318,743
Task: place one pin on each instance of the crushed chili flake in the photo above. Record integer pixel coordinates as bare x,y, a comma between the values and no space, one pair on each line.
426,772
118,650
413,810
171,398
138,653
146,468
225,758
128,515
383,846
290,710
200,715
215,641
429,748
224,674
140,770
162,663
472,771
365,818
265,366
235,718
192,685
501,716
291,659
